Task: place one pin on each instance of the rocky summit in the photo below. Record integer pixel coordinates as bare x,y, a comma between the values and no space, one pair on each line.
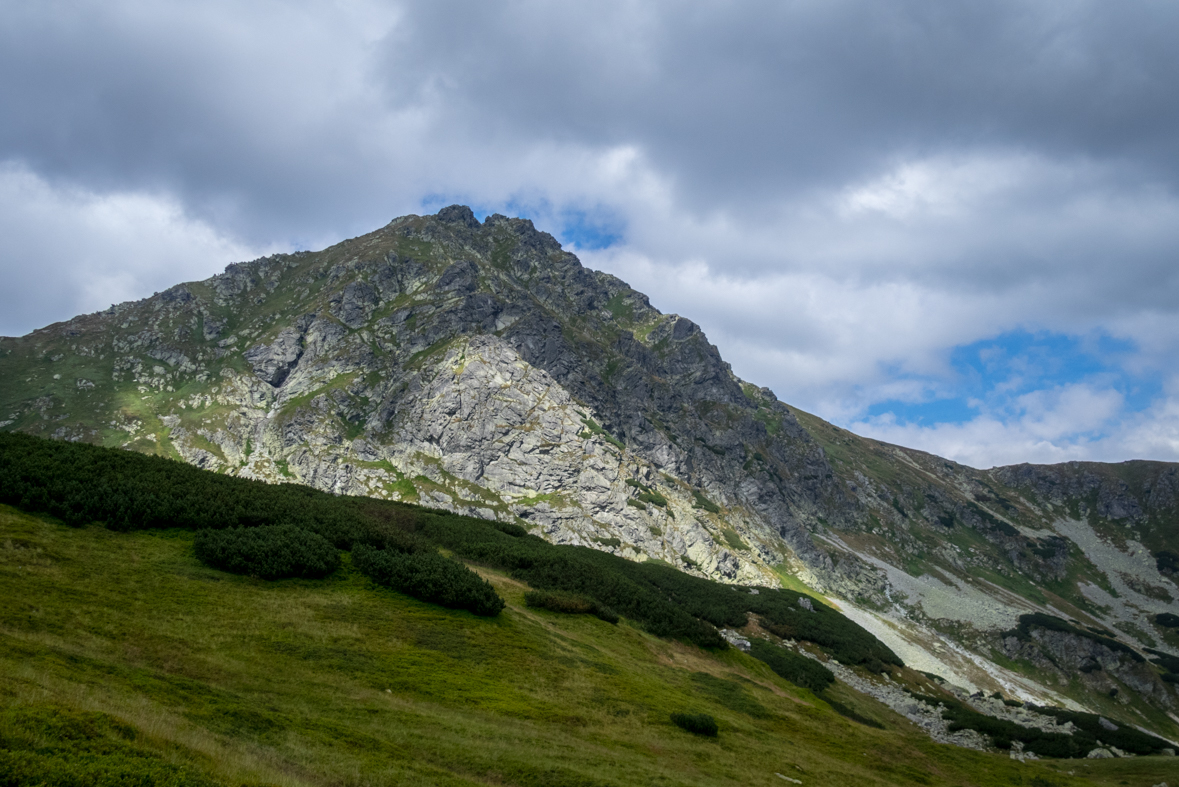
478,367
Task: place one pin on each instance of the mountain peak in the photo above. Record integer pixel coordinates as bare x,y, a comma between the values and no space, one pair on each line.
459,214
478,367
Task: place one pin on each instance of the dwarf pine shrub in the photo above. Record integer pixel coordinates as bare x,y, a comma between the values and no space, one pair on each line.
276,552
429,577
695,723
797,669
569,604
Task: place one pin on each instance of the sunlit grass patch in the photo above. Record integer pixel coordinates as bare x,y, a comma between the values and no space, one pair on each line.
233,680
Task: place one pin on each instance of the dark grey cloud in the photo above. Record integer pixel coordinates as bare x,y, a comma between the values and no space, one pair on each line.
266,111
761,97
839,192
254,117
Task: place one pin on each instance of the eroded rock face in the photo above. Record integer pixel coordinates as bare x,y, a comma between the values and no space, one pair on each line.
272,363
355,305
1101,668
491,435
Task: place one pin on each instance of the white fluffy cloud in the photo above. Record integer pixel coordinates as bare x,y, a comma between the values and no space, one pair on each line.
847,287
1076,422
70,251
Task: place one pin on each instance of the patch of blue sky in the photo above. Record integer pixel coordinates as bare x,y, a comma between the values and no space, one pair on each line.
991,374
954,410
590,229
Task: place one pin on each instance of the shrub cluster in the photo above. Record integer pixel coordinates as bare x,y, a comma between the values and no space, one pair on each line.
428,577
665,601
653,498
580,570
779,611
695,723
55,745
276,552
646,494
1003,733
848,712
569,604
1167,620
1166,562
1168,663
1090,730
797,669
80,484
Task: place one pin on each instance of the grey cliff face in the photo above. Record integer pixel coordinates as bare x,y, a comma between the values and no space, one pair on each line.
273,362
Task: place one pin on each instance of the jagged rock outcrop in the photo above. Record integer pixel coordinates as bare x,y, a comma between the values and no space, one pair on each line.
1103,669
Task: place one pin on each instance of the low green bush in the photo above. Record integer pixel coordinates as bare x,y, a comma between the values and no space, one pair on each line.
82,484
581,570
517,531
1167,620
653,498
1167,562
276,552
848,712
1168,663
797,669
429,577
696,723
733,540
1090,729
665,601
59,746
569,604
1003,733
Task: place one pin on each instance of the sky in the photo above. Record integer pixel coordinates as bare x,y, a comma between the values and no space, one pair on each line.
952,226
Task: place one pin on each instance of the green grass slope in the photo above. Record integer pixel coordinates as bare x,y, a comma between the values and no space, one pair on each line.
124,660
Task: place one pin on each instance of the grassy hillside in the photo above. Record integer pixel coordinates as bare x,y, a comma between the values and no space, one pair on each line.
121,654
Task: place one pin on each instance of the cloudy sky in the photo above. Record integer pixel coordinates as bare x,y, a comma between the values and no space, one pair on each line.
953,226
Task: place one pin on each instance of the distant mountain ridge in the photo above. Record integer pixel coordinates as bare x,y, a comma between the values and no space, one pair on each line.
479,367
